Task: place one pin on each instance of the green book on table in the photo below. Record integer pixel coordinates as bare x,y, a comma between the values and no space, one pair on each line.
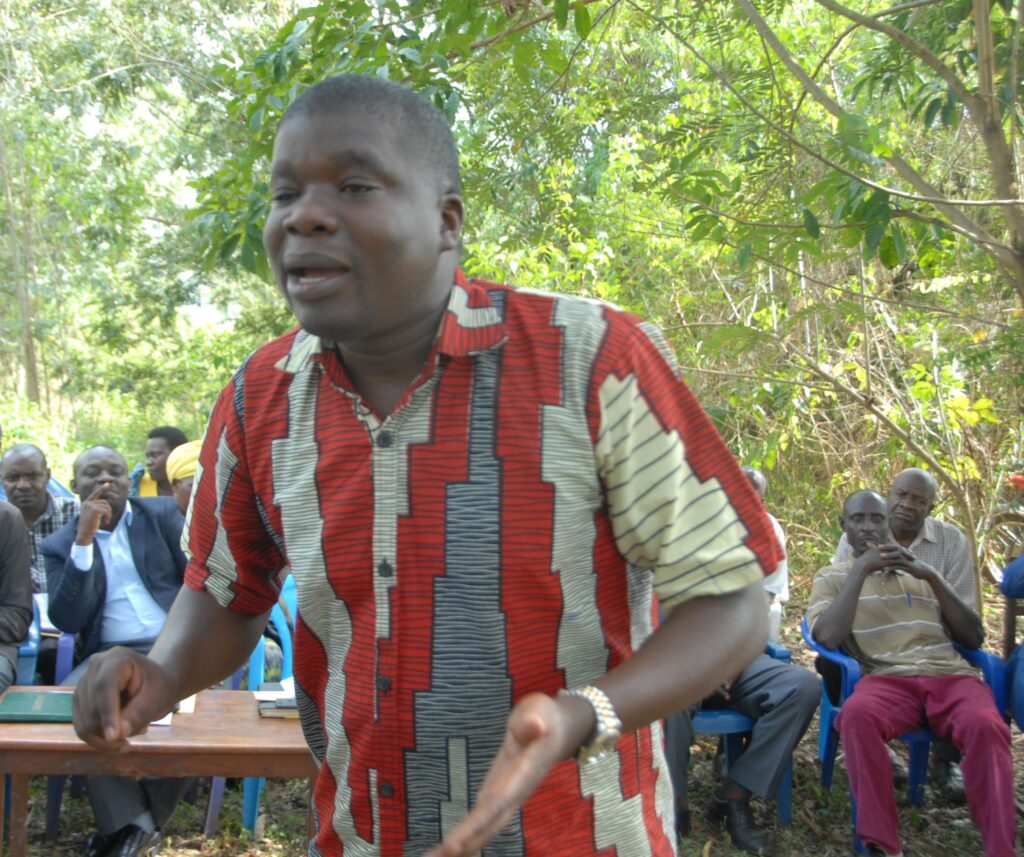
33,706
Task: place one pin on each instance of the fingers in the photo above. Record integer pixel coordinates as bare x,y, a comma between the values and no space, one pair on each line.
116,699
526,755
99,493
97,704
106,513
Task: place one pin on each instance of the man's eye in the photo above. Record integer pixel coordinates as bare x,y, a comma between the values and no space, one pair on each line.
355,187
279,197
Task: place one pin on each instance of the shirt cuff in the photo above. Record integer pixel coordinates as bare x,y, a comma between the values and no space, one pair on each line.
81,556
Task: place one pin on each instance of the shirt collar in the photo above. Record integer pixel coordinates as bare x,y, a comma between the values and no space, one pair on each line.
471,325
927,532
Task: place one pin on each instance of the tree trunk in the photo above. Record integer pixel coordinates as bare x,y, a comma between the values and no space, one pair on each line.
19,272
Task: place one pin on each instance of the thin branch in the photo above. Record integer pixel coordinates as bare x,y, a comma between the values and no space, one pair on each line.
761,379
911,45
952,227
522,25
724,80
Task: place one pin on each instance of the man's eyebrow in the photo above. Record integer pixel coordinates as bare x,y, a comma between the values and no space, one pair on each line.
350,157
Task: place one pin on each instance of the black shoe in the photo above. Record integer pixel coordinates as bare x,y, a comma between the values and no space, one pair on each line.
875,851
949,780
133,841
740,823
98,844
683,825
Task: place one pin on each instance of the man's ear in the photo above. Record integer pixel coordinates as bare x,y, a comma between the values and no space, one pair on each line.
451,221
842,523
74,486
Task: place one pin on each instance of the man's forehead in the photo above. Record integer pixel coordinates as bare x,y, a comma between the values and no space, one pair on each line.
22,460
99,456
912,483
865,504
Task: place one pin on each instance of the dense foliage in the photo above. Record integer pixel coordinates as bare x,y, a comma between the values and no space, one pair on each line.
819,203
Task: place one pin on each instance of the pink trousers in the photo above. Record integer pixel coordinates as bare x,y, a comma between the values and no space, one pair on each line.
959,709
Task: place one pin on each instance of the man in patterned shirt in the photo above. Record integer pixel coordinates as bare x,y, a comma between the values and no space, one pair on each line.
482,493
25,477
910,502
899,618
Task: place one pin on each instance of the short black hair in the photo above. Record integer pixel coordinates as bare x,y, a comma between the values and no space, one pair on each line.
857,494
424,125
23,449
174,436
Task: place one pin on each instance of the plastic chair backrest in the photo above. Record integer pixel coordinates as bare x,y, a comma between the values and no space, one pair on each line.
257,658
28,652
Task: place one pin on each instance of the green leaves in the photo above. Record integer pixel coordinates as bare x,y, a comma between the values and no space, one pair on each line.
811,223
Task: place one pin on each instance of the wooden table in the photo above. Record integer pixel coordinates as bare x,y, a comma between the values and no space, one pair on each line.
225,736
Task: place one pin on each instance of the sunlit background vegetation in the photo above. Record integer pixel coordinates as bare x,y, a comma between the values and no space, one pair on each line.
811,199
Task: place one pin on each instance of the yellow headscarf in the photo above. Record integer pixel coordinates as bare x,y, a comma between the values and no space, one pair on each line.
182,461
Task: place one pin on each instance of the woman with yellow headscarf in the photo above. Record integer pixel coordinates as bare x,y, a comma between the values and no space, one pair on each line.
181,471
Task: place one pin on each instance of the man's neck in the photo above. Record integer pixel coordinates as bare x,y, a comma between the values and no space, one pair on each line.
907,538
30,517
383,372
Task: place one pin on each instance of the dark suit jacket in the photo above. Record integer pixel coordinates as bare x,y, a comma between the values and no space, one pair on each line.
15,582
77,597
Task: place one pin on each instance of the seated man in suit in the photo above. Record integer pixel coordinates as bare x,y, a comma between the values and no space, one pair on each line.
15,591
112,574
899,617
779,697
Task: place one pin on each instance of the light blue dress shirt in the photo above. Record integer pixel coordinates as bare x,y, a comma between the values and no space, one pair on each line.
130,614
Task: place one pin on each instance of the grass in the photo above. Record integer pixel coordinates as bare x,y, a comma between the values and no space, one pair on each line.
821,821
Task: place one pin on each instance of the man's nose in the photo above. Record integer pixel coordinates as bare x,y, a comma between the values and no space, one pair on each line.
312,212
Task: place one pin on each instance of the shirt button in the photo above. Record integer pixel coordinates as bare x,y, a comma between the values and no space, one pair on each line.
386,789
385,569
383,683
384,439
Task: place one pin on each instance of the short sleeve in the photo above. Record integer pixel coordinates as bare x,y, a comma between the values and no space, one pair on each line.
231,554
677,501
824,589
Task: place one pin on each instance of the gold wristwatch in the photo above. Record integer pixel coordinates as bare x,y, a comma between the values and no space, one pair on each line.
607,726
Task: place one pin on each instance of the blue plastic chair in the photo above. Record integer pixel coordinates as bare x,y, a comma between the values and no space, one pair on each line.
918,740
735,727
252,787
28,651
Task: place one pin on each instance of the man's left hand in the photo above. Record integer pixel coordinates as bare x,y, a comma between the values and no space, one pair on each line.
915,567
540,732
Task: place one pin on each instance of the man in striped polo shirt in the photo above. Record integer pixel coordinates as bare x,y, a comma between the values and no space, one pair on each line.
899,618
910,502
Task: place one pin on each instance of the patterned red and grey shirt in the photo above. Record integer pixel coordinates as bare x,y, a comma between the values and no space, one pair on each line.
507,529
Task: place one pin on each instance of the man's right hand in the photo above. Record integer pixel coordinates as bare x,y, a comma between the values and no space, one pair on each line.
121,693
878,557
95,512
